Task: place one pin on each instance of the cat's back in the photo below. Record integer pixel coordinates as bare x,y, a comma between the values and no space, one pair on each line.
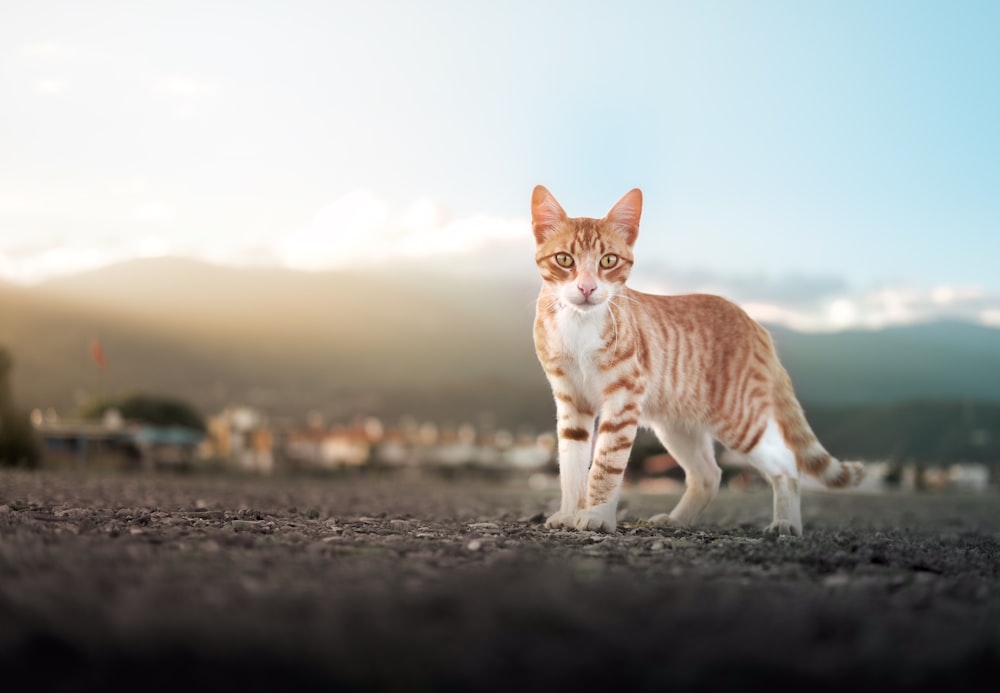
717,320
682,307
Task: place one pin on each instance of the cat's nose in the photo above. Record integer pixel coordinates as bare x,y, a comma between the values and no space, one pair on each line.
587,285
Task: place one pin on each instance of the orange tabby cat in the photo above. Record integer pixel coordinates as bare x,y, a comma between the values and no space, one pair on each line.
693,368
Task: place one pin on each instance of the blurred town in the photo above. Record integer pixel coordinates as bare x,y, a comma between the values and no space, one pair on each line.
241,439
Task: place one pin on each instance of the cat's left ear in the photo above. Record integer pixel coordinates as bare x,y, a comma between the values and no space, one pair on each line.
624,216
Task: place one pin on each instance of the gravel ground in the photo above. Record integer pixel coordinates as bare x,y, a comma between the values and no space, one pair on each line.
192,583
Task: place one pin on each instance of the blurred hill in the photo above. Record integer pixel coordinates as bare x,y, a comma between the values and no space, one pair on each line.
945,360
287,342
430,345
917,431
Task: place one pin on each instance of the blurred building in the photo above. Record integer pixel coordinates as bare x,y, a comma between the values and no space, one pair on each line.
241,437
321,448
113,443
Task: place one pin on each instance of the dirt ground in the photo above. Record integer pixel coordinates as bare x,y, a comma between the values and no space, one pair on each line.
153,583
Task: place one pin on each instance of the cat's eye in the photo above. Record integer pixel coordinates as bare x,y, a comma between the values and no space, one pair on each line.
564,259
609,261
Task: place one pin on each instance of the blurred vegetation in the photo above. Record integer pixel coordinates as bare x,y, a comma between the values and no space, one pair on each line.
18,444
922,432
149,409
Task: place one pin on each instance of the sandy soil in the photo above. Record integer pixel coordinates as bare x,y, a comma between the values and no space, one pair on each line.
152,583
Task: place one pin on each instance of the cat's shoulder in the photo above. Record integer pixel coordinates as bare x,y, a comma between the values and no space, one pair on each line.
691,302
692,308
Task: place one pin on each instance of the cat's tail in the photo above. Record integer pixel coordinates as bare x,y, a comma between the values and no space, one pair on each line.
810,455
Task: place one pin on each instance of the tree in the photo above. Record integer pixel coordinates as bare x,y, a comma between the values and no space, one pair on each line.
18,444
149,409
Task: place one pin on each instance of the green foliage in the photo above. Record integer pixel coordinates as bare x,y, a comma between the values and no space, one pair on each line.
150,409
922,432
18,444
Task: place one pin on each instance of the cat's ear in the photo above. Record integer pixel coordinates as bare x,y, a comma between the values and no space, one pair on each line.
624,216
546,213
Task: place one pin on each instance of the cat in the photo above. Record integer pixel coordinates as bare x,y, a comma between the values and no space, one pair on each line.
693,368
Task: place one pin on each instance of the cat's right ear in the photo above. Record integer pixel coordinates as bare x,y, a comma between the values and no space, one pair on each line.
546,213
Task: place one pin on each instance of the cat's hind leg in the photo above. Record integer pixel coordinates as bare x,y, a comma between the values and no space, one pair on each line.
775,460
695,453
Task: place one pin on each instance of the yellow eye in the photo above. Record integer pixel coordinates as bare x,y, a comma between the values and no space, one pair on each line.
564,260
609,261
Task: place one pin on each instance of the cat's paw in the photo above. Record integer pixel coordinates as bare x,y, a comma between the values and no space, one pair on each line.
561,520
598,519
783,528
664,520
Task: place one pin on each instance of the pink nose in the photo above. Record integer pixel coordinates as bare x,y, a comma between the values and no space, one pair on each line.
587,285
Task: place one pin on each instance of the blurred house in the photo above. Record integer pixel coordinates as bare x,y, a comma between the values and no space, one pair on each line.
426,446
530,452
336,447
241,437
969,477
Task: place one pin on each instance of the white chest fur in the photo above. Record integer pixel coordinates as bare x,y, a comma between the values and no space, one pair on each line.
581,338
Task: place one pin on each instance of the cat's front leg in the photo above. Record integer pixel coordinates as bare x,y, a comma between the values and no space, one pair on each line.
614,444
574,430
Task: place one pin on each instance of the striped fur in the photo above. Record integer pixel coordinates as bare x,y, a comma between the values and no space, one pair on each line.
693,368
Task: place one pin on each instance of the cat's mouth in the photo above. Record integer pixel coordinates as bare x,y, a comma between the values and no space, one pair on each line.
585,303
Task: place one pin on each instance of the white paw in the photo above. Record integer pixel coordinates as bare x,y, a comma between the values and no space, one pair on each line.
783,528
597,519
561,519
664,520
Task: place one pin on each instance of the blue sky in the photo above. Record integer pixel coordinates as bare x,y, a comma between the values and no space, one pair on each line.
829,164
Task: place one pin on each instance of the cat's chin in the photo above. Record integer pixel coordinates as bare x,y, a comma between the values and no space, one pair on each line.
586,307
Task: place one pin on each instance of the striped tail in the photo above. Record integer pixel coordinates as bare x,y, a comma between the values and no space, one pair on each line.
810,455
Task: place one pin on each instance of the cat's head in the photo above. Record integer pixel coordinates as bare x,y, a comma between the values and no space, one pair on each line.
584,261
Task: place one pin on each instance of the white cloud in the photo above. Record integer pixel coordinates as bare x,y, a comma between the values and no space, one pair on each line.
360,229
47,49
990,317
883,307
30,266
18,203
948,295
345,232
127,186
153,211
185,87
463,236
49,87
827,304
186,95
153,247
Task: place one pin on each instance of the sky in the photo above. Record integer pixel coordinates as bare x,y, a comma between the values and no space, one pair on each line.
828,165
